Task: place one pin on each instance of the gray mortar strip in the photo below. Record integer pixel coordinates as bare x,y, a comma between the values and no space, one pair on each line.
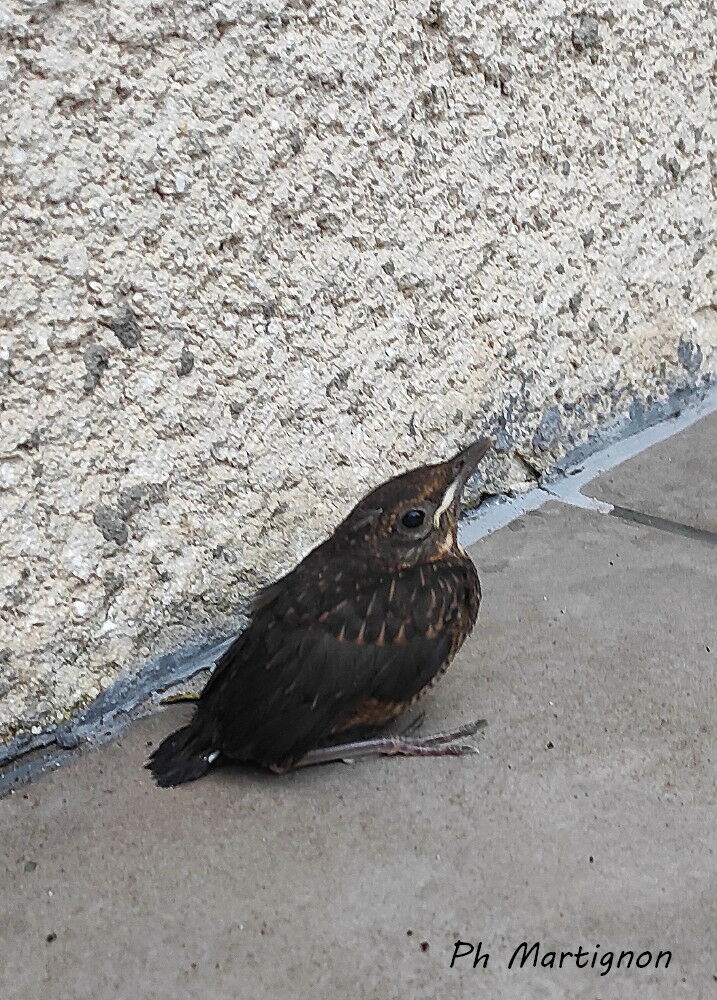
133,697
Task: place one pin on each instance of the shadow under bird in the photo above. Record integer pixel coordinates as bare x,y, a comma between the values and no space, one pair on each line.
349,639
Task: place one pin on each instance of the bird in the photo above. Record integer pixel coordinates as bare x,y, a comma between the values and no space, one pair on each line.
346,641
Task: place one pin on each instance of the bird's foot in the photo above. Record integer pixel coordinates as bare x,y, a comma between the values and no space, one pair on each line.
467,729
448,744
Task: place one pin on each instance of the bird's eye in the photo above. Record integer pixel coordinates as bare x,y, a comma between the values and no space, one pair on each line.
413,518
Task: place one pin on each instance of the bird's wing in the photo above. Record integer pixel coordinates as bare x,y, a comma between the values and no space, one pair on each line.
318,647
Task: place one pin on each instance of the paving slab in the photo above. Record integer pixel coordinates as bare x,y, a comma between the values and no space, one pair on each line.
676,479
588,820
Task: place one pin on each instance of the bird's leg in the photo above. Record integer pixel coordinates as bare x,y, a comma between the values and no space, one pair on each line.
439,745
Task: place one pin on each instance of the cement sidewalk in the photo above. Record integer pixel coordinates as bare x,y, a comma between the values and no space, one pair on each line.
588,819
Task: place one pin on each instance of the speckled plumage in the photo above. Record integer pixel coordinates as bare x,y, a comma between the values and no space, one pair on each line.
351,637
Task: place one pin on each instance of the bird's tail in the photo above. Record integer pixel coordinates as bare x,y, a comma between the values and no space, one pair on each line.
185,755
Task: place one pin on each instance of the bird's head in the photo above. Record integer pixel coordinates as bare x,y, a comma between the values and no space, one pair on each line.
412,518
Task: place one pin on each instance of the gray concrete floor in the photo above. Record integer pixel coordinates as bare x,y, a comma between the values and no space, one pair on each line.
677,479
588,819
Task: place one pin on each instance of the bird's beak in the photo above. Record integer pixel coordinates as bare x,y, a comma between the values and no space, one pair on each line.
466,461
463,465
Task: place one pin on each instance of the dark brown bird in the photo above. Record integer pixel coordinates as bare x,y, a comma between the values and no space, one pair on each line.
349,639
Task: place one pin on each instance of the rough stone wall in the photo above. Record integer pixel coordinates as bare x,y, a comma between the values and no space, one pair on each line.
256,256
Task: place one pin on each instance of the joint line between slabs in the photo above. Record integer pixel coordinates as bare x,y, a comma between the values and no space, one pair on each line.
665,524
629,514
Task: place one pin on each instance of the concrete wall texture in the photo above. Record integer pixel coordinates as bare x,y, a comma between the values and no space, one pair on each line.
257,256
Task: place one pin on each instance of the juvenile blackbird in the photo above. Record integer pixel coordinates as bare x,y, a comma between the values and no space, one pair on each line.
349,639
